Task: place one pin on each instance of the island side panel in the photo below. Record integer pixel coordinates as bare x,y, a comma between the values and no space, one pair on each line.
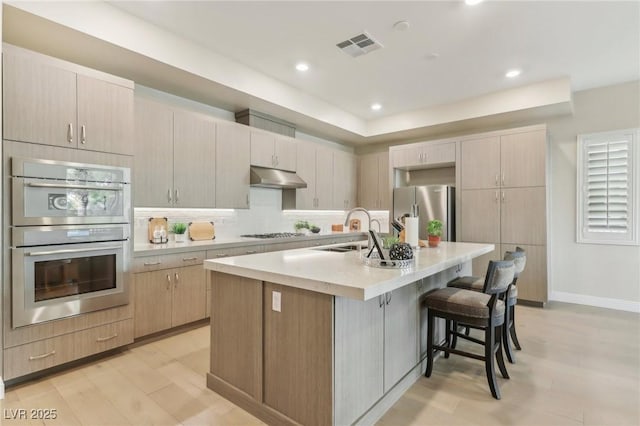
236,332
298,354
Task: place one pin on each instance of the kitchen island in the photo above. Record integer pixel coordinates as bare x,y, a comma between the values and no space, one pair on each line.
315,337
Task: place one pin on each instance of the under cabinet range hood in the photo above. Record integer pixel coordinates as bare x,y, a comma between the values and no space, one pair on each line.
274,178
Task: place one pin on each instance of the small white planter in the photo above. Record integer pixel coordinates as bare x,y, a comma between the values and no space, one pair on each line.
181,238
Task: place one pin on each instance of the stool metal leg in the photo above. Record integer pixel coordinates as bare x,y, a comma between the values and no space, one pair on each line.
512,328
490,369
498,351
506,344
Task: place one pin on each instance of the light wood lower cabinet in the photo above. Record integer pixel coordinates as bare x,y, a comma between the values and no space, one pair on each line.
36,356
168,298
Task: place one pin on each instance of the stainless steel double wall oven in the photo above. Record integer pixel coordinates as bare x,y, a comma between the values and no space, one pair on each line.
70,230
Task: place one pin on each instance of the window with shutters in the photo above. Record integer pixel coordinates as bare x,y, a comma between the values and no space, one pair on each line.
608,187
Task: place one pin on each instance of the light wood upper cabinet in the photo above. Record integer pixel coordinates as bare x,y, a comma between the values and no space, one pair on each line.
424,155
105,116
272,150
153,156
480,163
523,159
344,180
194,160
39,102
47,102
373,181
233,158
315,167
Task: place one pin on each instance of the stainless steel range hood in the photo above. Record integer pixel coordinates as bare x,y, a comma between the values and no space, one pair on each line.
274,178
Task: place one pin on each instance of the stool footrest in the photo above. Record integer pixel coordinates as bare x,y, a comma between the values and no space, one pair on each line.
459,352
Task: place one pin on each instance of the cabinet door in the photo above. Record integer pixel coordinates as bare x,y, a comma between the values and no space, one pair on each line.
189,292
105,116
153,159
400,334
358,365
233,156
532,283
285,153
480,163
368,181
152,298
384,191
438,154
406,157
39,102
262,149
480,263
324,178
523,158
194,160
480,216
523,216
344,180
306,164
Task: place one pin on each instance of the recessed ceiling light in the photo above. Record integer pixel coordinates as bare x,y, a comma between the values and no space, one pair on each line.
401,26
473,2
512,73
376,107
301,66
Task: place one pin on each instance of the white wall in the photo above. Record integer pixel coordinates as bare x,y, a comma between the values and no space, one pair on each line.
603,275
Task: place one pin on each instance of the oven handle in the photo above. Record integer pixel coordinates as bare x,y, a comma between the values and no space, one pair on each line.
47,253
71,186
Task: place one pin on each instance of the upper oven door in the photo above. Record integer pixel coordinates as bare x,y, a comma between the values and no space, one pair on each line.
51,202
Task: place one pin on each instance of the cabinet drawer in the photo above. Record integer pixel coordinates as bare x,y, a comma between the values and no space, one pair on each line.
234,251
176,260
36,356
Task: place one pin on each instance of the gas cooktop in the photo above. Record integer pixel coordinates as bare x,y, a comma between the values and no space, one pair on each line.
274,235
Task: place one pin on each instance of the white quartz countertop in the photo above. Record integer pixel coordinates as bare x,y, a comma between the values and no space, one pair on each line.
344,274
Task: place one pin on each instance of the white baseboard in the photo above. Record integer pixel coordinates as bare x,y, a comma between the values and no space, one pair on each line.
601,302
1,388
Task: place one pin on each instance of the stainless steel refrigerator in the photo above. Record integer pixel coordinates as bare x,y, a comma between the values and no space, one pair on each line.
433,202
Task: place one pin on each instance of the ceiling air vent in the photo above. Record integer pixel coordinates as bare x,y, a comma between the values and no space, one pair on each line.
359,45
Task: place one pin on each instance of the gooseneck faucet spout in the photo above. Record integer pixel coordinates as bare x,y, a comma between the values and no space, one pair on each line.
365,211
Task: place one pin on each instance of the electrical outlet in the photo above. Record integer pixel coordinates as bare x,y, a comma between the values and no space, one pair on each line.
276,301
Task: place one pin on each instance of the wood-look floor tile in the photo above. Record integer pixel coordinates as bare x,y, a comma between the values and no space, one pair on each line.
90,405
178,403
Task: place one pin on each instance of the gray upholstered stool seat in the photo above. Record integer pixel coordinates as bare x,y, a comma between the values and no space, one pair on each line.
470,306
467,283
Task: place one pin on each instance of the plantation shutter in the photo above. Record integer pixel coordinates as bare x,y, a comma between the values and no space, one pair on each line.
607,196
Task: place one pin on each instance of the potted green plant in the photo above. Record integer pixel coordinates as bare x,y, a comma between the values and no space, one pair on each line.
179,230
434,231
302,226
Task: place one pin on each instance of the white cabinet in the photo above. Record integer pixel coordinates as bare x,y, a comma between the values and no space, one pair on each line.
373,181
175,157
423,155
48,101
272,150
232,165
345,176
315,167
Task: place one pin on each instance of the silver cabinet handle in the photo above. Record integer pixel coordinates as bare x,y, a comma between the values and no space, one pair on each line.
497,179
277,160
104,339
83,134
496,196
35,357
387,297
503,196
73,186
177,194
424,157
503,178
380,301
152,263
169,195
177,277
251,251
70,133
189,259
222,255
168,281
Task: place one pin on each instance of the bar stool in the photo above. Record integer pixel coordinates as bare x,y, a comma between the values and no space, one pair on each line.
510,298
483,310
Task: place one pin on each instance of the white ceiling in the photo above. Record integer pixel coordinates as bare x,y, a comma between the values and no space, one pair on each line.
593,43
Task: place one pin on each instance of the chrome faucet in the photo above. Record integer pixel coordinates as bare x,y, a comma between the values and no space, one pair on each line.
365,211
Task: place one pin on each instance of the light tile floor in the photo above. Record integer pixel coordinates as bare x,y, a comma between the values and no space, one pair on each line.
580,366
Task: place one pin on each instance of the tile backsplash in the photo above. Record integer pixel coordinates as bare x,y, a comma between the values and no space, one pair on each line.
265,215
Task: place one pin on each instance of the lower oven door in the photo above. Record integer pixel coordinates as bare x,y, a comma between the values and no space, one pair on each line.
53,282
